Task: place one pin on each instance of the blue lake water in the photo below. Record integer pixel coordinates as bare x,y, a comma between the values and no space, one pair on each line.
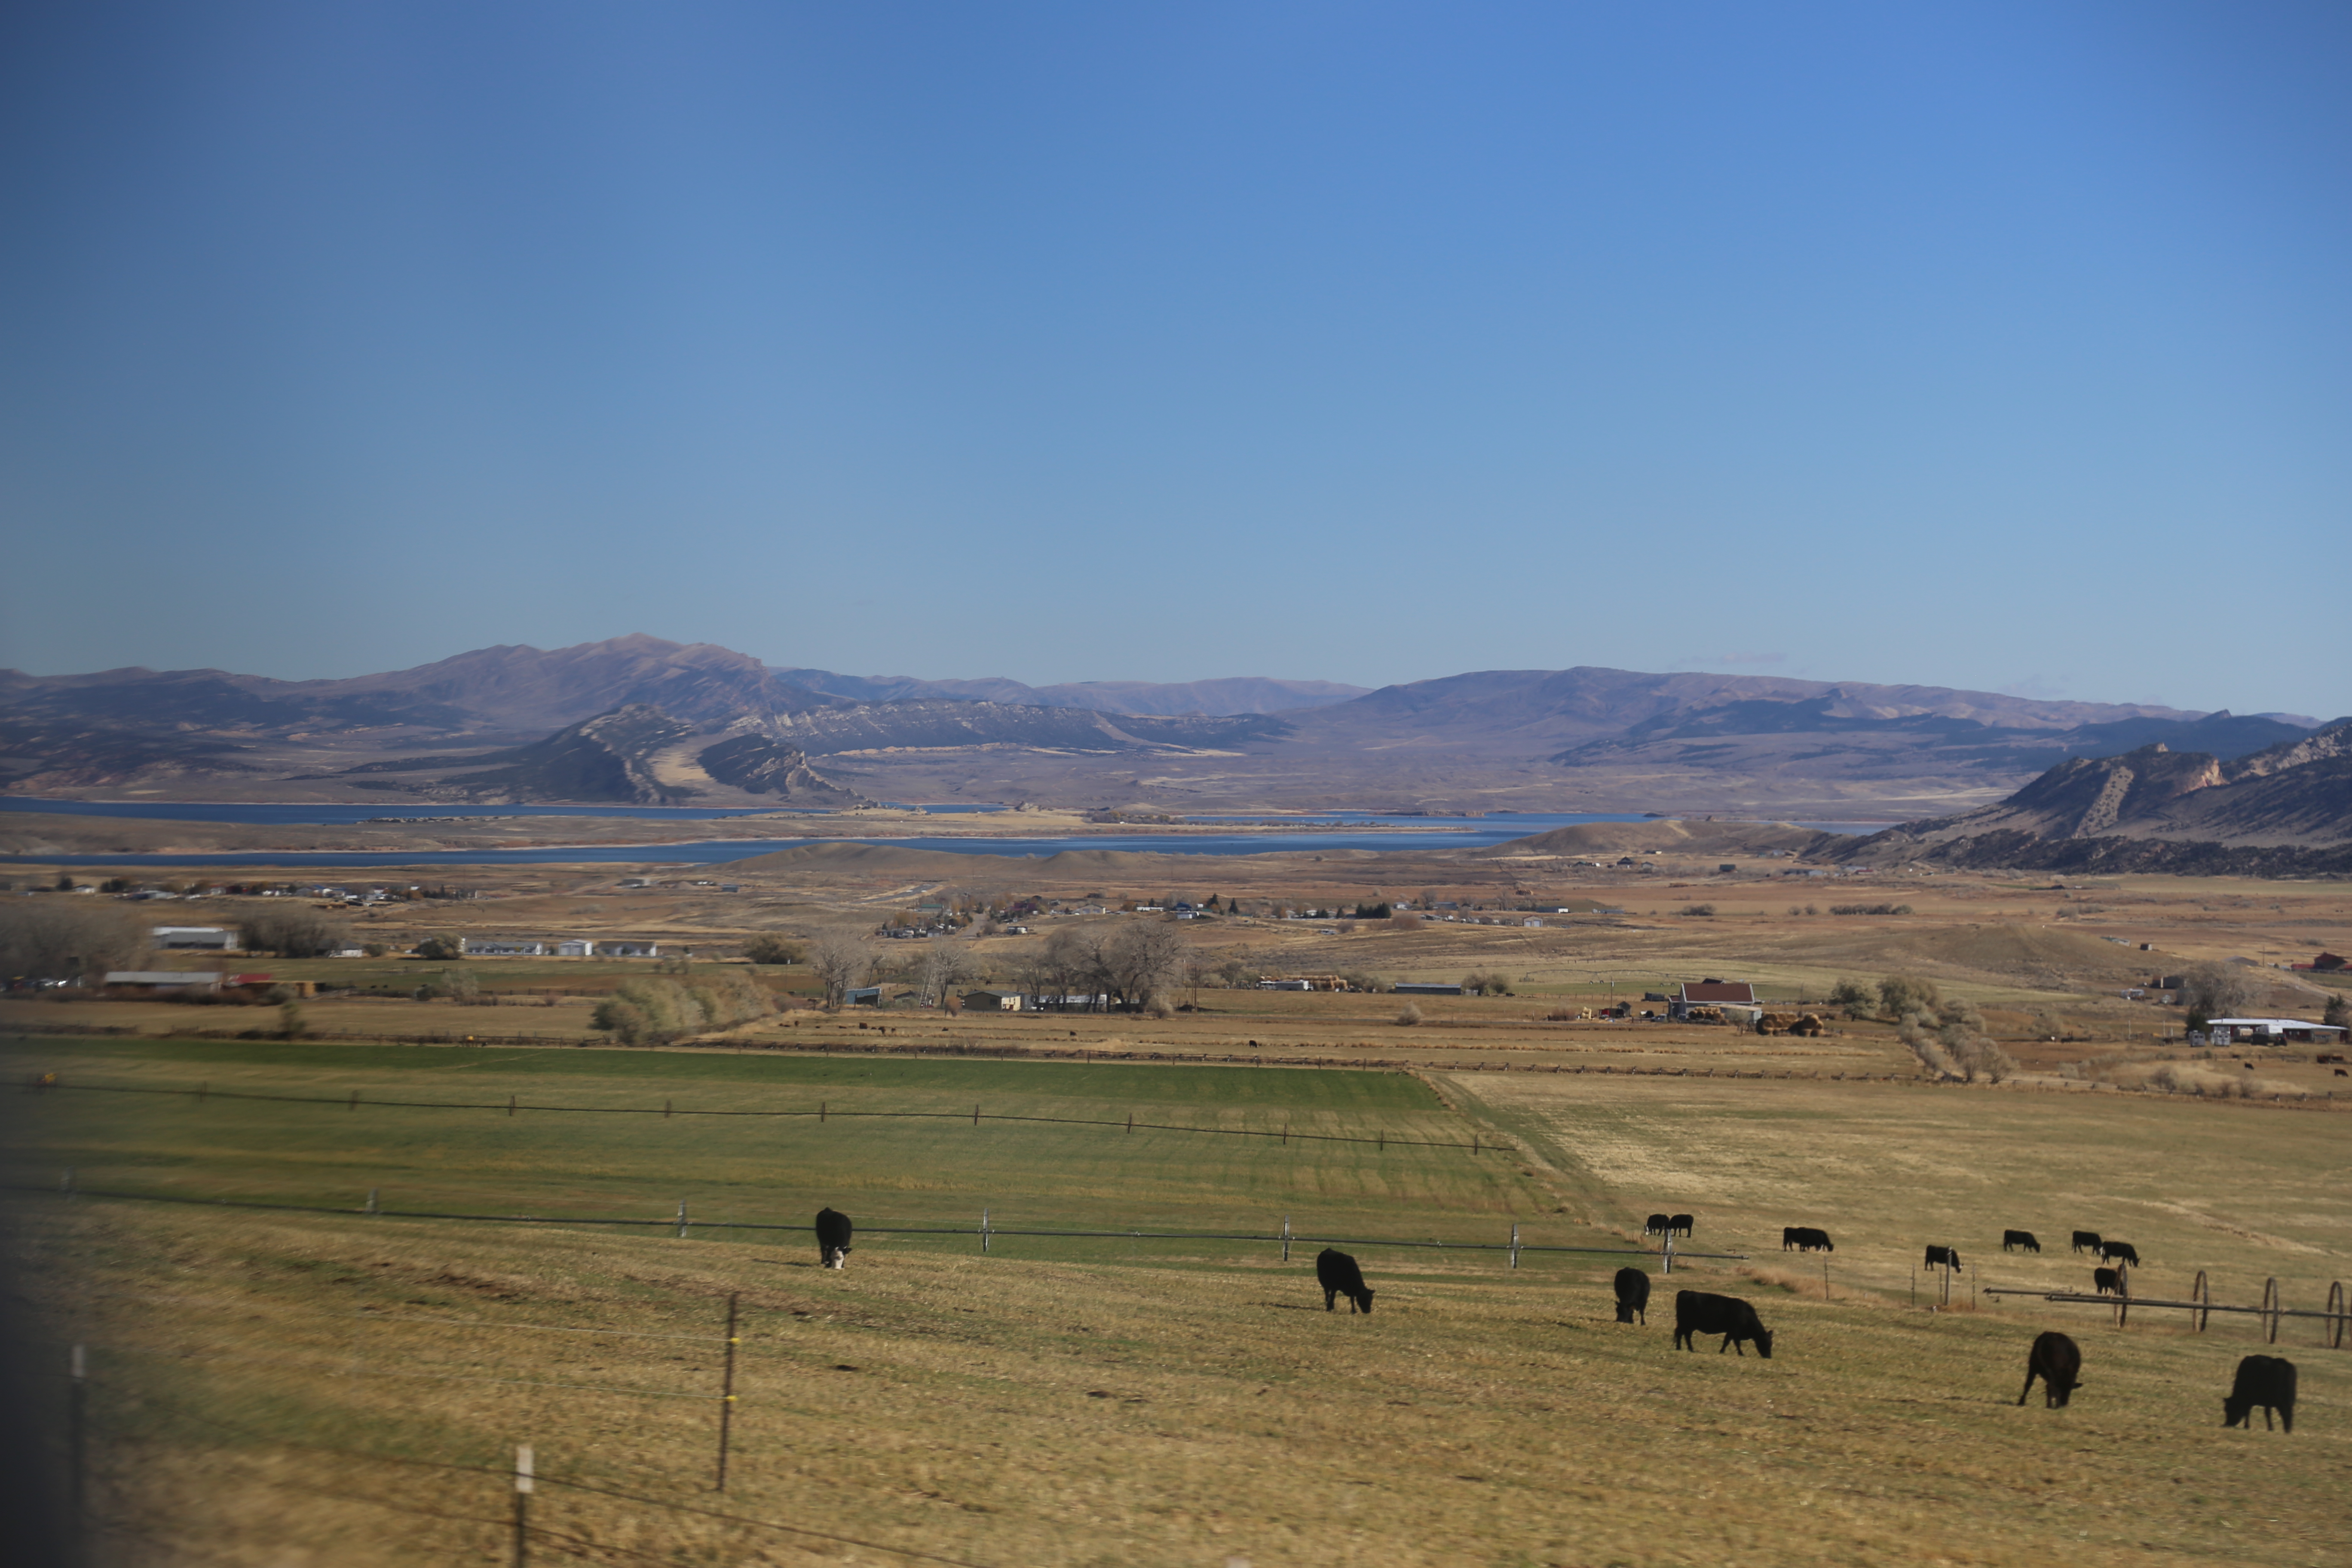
1321,833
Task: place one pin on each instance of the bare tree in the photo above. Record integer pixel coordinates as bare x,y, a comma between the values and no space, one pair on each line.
297,932
55,939
1142,961
945,965
841,962
2215,991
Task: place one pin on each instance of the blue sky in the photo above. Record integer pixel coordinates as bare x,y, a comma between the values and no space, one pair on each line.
1989,345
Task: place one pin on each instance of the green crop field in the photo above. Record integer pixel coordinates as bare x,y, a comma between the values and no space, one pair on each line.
278,1388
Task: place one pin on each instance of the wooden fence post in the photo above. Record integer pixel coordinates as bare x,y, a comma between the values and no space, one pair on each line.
681,1219
983,1230
371,1203
727,1389
1286,1238
1515,1244
522,1485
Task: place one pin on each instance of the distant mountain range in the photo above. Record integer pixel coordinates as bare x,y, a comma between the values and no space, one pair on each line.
523,723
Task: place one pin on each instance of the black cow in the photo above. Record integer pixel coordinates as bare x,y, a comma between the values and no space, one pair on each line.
2055,1360
2123,1250
1697,1312
2010,1240
1943,1258
1657,1225
1633,1295
2265,1380
831,1237
2086,1241
1806,1239
1338,1274
1680,1224
2109,1281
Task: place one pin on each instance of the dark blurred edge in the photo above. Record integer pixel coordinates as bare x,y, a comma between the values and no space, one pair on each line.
35,1531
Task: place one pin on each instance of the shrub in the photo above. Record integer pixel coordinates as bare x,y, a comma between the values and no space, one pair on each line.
1870,909
459,985
1900,993
769,947
441,946
1854,998
289,1020
1695,909
1409,1014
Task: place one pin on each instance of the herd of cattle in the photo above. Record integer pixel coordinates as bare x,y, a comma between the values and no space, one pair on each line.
2262,1382
2106,1281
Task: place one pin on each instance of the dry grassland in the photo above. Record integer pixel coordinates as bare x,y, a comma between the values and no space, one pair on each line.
1112,1402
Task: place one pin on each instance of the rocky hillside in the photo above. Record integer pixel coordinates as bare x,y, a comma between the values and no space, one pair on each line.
637,755
2284,809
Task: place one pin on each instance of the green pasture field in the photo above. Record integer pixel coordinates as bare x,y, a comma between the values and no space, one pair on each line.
268,1387
935,1171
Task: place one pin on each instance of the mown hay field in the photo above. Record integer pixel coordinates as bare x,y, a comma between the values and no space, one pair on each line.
273,1388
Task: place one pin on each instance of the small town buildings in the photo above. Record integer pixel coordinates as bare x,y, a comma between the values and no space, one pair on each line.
628,950
202,939
504,947
575,948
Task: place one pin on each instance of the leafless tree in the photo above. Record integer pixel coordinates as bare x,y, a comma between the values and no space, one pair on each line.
945,966
295,931
841,962
2216,991
61,939
1143,960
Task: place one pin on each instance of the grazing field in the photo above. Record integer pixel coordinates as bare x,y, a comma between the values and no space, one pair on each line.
274,1388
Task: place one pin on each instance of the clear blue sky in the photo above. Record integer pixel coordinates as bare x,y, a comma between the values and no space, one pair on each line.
1991,345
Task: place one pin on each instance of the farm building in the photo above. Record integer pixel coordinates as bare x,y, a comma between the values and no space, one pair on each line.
1419,988
162,983
992,1000
211,938
504,947
575,948
2271,1032
628,950
1710,994
863,997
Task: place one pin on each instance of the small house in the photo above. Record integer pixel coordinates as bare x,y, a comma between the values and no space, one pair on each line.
863,997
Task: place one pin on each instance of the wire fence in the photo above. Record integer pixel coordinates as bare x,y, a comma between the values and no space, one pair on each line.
823,1112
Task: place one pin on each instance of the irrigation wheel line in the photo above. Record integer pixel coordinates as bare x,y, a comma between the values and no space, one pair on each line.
2200,1306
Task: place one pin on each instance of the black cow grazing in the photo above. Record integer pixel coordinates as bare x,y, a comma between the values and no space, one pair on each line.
1806,1239
2123,1250
1633,1295
831,1237
1680,1224
2011,1240
2086,1241
2110,1281
2265,1380
2055,1360
1697,1312
1943,1258
1338,1274
1657,1225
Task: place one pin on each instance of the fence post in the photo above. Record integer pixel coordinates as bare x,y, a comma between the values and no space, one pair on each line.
1131,1126
356,1102
1286,1238
727,1389
1515,1244
1668,1256
371,1208
522,1484
77,1441
1825,1277
681,1219
510,1104
820,1110
66,1187
983,1230
666,1108
2270,1311
975,1119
